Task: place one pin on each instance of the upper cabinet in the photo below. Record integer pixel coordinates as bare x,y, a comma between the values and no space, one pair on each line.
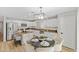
31,24
49,23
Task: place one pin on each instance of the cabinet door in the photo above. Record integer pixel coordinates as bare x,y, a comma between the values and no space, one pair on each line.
9,31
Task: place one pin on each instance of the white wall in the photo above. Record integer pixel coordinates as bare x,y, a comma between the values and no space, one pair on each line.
1,24
1,27
1,18
78,30
4,29
68,28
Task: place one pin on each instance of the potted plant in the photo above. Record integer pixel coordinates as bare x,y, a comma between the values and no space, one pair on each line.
42,37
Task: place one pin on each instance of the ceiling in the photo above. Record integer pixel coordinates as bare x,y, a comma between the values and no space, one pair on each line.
26,12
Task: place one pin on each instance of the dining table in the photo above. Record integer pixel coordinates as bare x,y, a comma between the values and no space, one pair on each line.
38,44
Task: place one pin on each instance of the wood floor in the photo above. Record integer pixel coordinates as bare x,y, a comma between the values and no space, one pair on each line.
66,49
10,47
1,36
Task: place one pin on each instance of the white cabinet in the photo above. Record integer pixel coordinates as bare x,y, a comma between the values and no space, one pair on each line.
67,25
49,23
31,24
11,28
9,31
